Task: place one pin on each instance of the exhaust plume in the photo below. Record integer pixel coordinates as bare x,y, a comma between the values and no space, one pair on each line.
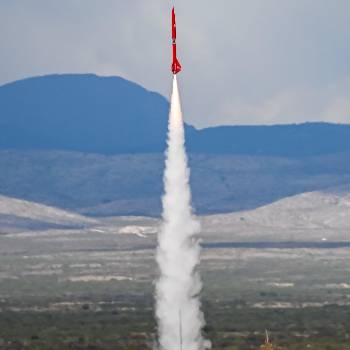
178,309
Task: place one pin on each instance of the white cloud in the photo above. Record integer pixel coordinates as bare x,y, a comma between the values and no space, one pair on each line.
292,106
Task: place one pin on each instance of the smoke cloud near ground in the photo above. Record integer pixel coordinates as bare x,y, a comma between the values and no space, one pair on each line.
178,308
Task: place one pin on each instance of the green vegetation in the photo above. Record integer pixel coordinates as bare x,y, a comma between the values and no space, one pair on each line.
118,325
103,300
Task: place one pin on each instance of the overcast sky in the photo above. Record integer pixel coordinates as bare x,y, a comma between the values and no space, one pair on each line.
244,61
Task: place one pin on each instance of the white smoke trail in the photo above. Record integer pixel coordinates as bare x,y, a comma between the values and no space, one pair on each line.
180,319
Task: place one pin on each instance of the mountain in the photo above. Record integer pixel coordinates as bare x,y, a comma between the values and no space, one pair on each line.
131,184
95,146
295,140
110,115
83,113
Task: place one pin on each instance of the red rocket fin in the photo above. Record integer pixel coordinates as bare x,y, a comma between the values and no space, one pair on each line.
176,66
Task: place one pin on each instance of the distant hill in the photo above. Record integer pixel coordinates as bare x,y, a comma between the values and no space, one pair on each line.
110,115
296,140
82,113
312,216
17,215
100,185
94,145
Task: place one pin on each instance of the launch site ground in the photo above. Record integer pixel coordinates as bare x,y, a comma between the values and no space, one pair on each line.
71,282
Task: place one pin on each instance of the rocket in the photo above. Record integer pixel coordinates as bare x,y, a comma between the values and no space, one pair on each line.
175,66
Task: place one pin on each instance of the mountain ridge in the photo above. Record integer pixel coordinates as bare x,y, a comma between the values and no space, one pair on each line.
101,185
112,115
95,146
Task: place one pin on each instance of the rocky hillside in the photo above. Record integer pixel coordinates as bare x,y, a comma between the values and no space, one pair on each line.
101,185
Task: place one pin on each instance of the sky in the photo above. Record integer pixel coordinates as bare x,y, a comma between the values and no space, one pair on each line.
244,61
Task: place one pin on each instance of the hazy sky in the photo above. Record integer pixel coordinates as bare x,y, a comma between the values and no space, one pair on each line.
244,61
